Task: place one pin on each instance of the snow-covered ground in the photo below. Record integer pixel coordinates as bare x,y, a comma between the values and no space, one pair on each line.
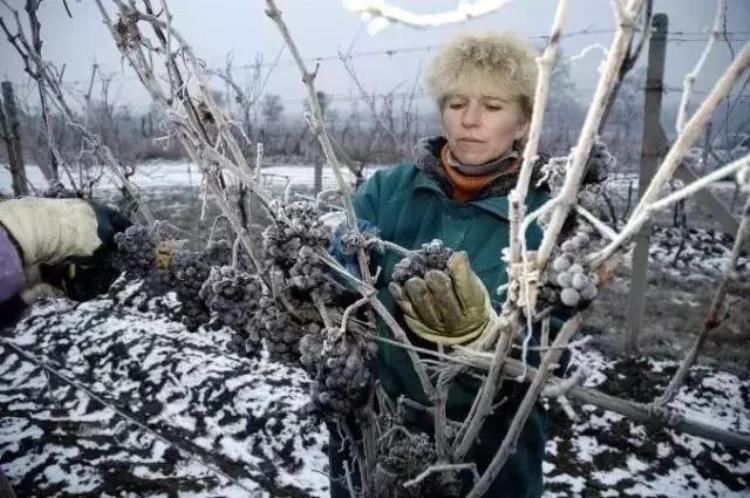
218,424
176,174
159,411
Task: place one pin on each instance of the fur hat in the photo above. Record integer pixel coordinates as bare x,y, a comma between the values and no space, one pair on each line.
498,63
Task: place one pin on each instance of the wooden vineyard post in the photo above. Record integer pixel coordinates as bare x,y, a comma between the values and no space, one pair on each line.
10,127
651,152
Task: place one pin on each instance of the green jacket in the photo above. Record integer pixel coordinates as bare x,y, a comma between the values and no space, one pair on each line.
411,208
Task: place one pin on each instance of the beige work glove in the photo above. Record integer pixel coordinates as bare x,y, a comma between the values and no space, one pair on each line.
446,307
62,235
49,230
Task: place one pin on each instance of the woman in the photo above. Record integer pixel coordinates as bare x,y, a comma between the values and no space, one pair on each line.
456,190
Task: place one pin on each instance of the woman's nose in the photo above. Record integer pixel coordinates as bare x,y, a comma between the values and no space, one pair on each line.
471,115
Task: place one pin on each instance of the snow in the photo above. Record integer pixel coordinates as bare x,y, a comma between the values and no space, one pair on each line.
175,382
225,414
181,174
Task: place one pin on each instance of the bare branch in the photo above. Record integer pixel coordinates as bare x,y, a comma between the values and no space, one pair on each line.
445,467
524,409
712,319
577,164
689,79
464,12
676,153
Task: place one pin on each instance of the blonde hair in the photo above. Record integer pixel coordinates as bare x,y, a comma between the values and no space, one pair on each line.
495,63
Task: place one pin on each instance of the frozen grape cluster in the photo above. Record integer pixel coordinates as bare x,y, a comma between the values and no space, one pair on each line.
343,376
159,281
230,295
311,348
281,333
308,273
219,252
431,256
569,281
404,456
297,226
135,251
191,269
600,162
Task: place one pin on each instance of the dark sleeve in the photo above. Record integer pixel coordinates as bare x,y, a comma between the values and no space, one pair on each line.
11,311
365,208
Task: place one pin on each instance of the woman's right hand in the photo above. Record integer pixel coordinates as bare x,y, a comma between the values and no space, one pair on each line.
446,307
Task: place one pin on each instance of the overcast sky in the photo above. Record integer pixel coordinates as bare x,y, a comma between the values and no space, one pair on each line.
323,27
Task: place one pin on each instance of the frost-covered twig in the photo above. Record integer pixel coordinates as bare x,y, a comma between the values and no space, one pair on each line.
519,265
50,86
463,12
577,163
561,389
545,62
689,79
712,319
675,155
351,309
602,227
445,467
308,79
638,412
524,409
199,124
701,183
590,48
370,102
489,387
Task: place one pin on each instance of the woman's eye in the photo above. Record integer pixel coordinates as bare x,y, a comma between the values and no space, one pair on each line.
456,105
491,107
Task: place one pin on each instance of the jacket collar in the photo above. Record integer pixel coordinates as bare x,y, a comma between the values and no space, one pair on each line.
493,198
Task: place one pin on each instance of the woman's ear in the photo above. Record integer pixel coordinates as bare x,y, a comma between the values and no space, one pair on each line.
523,130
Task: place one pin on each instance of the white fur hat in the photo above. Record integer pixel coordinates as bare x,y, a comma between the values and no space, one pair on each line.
495,63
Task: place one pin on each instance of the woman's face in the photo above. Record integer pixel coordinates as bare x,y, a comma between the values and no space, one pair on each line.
480,129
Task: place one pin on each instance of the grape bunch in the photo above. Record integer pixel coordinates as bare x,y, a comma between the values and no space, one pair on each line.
219,252
230,294
135,251
343,374
311,348
307,273
281,333
431,256
569,282
191,269
600,163
159,281
298,225
404,457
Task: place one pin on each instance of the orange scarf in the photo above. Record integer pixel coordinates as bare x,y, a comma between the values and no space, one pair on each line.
465,187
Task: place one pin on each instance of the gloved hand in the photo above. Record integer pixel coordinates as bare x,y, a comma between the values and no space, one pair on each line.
61,234
446,307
